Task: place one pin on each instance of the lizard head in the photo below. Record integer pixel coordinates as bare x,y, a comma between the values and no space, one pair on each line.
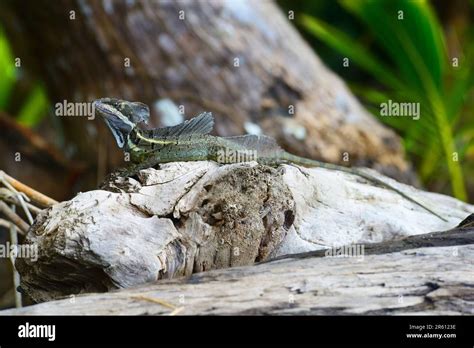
121,116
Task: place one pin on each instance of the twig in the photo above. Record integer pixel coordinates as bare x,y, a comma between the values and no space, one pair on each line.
175,309
5,223
10,214
154,300
8,196
25,208
20,199
17,198
16,275
9,187
36,196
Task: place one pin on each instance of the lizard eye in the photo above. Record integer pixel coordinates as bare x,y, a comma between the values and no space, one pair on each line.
136,112
141,112
125,109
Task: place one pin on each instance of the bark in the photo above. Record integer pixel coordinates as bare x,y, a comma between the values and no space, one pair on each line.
279,84
198,216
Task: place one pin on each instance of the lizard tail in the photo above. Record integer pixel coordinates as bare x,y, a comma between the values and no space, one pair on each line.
288,157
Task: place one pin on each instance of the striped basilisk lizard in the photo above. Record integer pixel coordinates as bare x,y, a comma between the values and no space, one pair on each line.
190,141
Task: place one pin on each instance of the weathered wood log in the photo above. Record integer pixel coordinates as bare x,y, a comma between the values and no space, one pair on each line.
198,216
434,281
242,60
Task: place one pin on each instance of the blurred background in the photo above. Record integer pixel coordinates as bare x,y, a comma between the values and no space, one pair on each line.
425,57
428,60
289,69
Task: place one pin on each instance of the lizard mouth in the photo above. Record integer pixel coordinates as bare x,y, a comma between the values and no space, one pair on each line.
118,124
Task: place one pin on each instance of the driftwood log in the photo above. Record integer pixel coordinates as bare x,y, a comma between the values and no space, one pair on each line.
435,281
191,217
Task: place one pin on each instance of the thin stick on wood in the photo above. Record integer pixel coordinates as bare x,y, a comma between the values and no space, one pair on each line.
15,219
36,196
5,223
25,208
17,199
10,188
16,275
9,197
175,310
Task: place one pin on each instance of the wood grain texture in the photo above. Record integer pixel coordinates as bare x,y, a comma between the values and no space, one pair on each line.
204,217
192,217
426,281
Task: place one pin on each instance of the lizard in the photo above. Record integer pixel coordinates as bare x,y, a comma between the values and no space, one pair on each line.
191,141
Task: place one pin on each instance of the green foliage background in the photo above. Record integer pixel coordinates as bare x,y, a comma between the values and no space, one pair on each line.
24,99
398,50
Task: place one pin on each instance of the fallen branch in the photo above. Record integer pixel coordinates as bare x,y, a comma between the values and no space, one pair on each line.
16,275
5,223
9,197
16,220
36,196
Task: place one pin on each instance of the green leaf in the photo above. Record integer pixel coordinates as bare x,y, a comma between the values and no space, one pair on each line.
412,38
397,22
34,108
350,48
7,71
